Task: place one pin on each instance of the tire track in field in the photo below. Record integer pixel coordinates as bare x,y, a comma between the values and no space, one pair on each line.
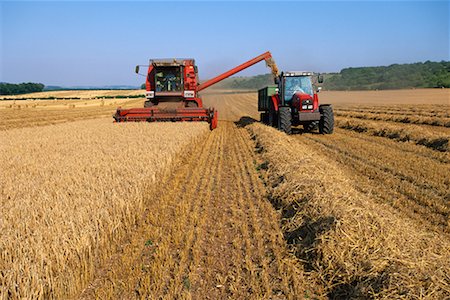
209,233
160,237
261,227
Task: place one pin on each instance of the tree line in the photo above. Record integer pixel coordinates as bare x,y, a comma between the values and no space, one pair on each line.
246,83
20,88
398,76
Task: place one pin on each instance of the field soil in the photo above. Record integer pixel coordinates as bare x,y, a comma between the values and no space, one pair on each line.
247,212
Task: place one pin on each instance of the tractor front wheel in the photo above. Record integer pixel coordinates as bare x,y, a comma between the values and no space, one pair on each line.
326,123
285,119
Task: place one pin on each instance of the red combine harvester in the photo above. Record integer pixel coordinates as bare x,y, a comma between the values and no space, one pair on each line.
172,92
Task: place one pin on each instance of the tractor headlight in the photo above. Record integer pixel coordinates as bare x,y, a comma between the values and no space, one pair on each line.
307,104
150,95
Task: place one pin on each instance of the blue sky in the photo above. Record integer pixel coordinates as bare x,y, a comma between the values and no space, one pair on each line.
99,43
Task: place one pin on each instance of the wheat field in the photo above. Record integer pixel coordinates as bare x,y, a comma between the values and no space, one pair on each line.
97,210
29,113
70,94
70,192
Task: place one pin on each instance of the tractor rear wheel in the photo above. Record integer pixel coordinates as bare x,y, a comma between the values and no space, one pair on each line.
285,119
326,123
311,126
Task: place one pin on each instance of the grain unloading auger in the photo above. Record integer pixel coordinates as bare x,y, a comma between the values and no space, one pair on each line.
172,92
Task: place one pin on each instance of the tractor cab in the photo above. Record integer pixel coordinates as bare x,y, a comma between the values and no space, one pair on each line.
296,90
295,82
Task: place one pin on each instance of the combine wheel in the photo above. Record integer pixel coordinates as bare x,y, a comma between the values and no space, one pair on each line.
326,123
148,104
191,104
311,126
214,120
285,119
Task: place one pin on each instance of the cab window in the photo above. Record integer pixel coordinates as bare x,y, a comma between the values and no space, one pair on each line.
296,84
168,80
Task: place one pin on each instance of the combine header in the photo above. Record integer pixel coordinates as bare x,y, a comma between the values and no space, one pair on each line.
172,92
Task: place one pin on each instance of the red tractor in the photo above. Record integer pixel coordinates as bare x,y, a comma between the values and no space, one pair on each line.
172,88
294,102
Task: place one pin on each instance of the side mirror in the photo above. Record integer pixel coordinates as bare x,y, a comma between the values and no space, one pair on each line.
137,70
320,79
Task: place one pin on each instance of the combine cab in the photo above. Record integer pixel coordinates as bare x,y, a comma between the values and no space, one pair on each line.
172,92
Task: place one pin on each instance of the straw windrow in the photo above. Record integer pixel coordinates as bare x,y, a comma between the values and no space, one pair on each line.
355,246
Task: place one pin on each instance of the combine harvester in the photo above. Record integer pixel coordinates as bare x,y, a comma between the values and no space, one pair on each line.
172,92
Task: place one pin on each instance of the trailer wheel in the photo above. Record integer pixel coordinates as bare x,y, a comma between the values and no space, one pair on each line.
272,119
326,123
285,119
264,118
311,126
